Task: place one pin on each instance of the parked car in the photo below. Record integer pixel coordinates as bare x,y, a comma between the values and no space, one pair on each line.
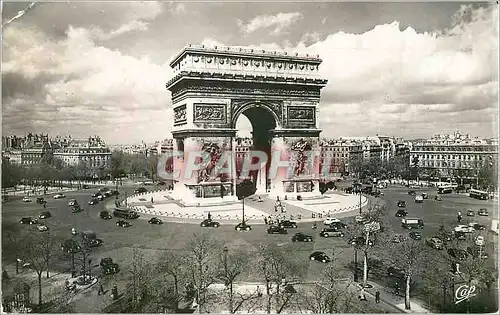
155,220
401,204
483,212
95,195
94,242
329,221
425,196
320,256
104,189
59,196
28,220
123,223
477,252
301,237
93,201
70,246
434,242
242,226
72,202
101,197
470,213
401,213
338,225
105,215
416,235
331,232
412,193
85,186
479,240
457,253
209,223
108,266
396,272
288,224
459,235
463,228
140,190
40,200
398,238
274,229
27,199
42,227
45,215
360,240
477,226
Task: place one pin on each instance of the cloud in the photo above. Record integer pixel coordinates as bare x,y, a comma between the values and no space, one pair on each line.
279,22
134,25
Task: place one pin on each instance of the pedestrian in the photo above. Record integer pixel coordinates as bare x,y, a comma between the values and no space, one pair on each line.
115,292
459,218
265,220
151,199
45,204
5,276
209,216
377,297
101,290
362,295
397,288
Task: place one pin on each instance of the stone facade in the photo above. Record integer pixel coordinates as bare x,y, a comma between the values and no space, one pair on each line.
279,93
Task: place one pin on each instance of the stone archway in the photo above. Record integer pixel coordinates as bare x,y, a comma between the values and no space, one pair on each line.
212,87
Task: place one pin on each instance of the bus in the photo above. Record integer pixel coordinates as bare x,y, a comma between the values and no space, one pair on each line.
478,194
448,189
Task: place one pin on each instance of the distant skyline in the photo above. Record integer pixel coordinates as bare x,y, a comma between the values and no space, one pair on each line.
408,70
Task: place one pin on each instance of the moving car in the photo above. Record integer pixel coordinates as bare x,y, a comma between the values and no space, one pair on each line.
28,220
438,198
242,226
76,208
331,232
477,252
95,195
45,215
94,242
401,213
85,186
416,235
483,212
123,223
125,213
402,204
419,199
457,253
40,200
105,215
101,197
59,196
42,227
320,256
72,202
470,213
155,220
434,242
27,199
459,235
108,266
140,190
93,201
209,223
360,240
288,224
301,237
274,229
70,246
329,221
477,226
412,223
412,193
425,196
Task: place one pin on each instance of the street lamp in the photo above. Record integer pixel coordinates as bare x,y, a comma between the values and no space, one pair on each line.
90,269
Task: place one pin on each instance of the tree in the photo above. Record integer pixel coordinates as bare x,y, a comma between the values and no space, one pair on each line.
201,265
140,271
37,249
231,267
173,264
408,254
279,270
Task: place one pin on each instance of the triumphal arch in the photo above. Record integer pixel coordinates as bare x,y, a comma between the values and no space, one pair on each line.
278,92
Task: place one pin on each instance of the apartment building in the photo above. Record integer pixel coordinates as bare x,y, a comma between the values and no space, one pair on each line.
92,151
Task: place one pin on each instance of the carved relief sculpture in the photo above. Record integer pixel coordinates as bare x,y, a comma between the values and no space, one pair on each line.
209,112
180,114
299,158
301,114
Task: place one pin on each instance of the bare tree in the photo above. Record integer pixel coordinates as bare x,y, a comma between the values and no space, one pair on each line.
408,254
202,266
173,265
37,249
279,271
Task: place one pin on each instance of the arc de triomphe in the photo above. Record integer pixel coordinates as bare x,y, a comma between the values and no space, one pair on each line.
277,92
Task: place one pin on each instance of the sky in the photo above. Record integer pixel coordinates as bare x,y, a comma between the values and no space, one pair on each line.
407,70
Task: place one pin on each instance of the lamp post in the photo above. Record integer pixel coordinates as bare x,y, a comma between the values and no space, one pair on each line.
228,281
90,269
357,189
355,244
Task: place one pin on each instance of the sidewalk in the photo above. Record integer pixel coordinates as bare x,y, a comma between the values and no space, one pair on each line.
388,296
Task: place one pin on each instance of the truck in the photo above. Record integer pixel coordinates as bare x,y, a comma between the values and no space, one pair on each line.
125,213
412,223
